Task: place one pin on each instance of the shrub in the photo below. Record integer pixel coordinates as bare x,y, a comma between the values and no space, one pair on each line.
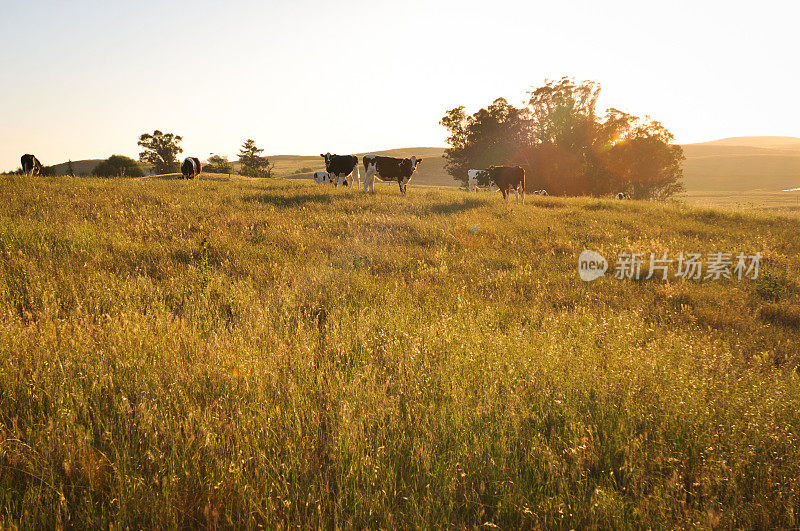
118,166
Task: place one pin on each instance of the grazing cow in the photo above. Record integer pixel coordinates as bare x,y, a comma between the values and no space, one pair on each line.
342,168
622,196
508,178
191,167
540,192
30,165
389,169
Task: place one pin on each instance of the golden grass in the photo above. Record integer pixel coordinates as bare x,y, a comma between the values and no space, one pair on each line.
244,353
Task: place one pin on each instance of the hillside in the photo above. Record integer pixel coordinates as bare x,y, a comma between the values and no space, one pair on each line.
766,142
743,163
250,353
81,167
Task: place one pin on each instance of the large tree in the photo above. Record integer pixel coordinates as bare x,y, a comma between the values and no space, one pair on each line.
566,146
161,151
253,164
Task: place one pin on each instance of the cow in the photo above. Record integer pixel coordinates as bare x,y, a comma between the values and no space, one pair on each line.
622,196
342,169
508,178
540,192
30,165
191,167
322,177
388,169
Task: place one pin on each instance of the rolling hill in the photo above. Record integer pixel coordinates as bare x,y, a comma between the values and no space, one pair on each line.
770,163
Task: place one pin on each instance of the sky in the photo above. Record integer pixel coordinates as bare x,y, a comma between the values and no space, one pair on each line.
83,79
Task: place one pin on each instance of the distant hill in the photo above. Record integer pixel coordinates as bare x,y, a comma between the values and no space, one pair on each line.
766,142
743,163
81,167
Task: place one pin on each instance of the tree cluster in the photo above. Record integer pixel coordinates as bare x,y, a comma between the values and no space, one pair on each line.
565,145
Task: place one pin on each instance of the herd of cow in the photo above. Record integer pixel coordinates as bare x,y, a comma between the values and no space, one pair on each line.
343,170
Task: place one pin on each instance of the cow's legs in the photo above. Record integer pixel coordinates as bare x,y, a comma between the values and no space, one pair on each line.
356,176
523,195
369,180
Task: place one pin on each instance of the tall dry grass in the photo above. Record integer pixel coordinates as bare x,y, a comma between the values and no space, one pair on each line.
240,354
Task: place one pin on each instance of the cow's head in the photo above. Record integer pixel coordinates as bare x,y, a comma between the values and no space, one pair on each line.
327,156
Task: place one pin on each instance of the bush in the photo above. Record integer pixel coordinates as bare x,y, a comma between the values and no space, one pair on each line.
218,164
118,166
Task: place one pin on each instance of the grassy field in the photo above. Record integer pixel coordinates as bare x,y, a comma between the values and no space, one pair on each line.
781,203
242,353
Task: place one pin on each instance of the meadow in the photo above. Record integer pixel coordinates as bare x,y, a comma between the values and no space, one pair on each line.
241,353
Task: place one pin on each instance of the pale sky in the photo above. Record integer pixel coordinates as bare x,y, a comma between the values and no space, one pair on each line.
83,79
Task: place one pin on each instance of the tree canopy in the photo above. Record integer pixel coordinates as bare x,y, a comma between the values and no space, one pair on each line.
253,164
161,151
565,146
118,166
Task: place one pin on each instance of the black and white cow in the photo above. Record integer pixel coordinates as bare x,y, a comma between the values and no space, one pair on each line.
622,196
30,165
342,169
388,169
322,177
508,178
191,167
540,192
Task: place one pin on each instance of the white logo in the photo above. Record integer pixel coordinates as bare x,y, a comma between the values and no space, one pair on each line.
591,265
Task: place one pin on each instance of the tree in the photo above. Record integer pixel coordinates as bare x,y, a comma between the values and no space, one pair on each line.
70,169
118,166
160,151
253,164
218,164
566,146
488,136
